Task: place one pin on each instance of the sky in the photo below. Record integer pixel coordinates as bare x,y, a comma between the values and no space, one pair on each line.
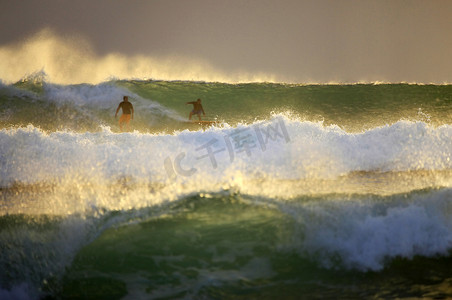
296,41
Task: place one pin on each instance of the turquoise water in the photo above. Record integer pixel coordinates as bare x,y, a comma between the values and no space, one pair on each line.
299,191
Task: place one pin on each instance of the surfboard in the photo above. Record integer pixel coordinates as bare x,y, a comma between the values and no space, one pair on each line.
202,122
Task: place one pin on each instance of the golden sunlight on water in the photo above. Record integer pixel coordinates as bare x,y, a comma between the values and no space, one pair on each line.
80,197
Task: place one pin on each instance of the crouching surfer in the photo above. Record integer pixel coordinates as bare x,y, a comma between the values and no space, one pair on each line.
197,109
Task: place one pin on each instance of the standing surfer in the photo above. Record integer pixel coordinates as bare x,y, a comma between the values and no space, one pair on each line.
127,112
197,109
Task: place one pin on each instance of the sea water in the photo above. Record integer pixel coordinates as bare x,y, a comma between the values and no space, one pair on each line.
297,191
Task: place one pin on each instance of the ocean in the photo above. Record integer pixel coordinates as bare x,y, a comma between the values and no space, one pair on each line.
296,192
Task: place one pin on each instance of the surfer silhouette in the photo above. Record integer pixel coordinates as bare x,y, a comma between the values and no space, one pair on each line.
127,113
197,109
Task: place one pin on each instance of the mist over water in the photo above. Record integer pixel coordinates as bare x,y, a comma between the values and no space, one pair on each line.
71,60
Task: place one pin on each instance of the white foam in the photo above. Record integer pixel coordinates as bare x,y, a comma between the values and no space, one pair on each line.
177,165
312,150
364,234
104,97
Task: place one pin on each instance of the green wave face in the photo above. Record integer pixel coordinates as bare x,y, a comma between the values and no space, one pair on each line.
161,106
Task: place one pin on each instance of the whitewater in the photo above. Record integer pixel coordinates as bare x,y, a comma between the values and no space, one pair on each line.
296,191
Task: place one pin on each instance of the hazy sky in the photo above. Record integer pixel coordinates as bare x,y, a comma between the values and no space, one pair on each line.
292,40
